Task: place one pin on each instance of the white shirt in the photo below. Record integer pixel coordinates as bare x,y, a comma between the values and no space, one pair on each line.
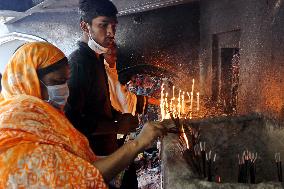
121,99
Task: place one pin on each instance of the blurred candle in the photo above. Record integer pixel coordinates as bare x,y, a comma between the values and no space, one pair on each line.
173,92
188,96
191,100
167,114
218,179
174,110
179,103
191,95
182,103
197,102
171,105
166,101
184,137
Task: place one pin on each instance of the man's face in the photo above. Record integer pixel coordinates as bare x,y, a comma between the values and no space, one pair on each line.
103,30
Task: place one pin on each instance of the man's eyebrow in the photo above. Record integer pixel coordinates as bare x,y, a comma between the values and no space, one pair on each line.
109,21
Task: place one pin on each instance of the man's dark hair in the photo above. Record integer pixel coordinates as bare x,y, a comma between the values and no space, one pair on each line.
90,9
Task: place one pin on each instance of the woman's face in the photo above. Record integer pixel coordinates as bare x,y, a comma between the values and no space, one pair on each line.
58,77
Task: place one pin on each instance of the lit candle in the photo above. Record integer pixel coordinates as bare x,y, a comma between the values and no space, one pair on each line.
173,98
182,103
191,100
166,101
192,87
162,107
188,96
197,102
191,94
179,104
167,114
184,137
171,105
174,110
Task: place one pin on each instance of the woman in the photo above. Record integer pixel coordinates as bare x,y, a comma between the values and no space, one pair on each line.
38,145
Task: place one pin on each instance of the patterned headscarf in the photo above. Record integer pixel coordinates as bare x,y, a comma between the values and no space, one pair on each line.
20,75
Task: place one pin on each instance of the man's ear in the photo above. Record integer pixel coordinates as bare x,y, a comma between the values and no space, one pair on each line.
84,26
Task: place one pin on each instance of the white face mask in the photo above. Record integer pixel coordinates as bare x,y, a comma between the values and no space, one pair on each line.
57,95
96,47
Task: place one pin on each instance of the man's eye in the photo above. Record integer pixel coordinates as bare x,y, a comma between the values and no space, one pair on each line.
103,25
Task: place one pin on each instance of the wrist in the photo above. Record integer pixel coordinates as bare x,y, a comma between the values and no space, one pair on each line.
138,145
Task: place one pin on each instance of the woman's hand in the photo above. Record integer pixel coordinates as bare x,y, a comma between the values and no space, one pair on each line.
120,159
150,132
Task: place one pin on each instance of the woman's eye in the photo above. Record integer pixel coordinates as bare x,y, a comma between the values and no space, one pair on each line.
59,82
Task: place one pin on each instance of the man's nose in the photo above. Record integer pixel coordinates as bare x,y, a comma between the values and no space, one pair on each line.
110,31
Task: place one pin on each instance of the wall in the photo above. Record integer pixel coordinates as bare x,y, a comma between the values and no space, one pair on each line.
10,43
61,29
166,37
261,59
169,37
6,51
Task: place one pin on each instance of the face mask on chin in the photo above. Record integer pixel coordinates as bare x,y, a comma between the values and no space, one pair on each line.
57,95
96,47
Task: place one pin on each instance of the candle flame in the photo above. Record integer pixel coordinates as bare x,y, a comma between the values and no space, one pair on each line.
219,179
178,106
179,103
184,137
162,103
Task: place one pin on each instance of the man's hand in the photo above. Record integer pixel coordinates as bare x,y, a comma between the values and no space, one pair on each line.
150,132
111,56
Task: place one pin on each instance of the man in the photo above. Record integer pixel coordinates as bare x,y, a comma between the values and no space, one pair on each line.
89,105
93,103
89,101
